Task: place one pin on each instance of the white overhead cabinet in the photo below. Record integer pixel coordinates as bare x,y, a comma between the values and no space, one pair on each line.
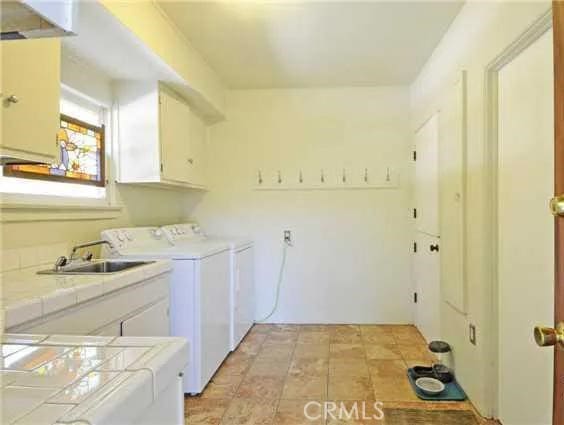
30,91
161,141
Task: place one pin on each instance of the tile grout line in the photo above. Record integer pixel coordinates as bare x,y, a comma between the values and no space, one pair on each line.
233,396
287,374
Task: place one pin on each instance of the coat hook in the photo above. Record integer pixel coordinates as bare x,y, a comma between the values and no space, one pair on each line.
322,176
344,176
260,177
301,177
279,177
388,174
366,175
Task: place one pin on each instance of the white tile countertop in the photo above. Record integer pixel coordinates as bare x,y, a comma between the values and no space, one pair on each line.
26,295
95,380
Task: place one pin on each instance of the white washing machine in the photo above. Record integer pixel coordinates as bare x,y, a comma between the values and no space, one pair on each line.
199,296
242,299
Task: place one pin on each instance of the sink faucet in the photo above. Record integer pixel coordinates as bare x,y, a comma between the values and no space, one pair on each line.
86,245
64,261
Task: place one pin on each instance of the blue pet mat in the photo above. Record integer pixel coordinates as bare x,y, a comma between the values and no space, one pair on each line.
452,392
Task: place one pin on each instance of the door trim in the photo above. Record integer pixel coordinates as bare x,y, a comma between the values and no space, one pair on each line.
558,32
535,31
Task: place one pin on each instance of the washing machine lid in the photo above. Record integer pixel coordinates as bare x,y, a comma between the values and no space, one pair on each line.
236,244
191,232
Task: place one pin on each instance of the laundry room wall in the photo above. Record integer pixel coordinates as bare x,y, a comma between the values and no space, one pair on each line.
350,259
477,36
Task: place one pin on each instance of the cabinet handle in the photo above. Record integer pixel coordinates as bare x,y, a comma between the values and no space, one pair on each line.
190,160
434,248
12,99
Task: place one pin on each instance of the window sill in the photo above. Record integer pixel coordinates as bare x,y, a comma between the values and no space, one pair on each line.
11,212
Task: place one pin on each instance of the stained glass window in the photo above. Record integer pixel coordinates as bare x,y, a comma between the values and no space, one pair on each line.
82,156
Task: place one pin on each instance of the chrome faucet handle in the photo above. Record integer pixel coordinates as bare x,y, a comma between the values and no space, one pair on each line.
61,262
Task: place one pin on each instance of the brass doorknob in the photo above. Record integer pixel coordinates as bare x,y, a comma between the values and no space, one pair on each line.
545,337
557,206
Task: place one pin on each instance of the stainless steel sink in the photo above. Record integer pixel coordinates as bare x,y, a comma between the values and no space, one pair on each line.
102,267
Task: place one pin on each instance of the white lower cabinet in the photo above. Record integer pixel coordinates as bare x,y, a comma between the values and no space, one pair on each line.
151,321
140,309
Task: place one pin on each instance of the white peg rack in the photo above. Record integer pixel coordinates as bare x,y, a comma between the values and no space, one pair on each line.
324,179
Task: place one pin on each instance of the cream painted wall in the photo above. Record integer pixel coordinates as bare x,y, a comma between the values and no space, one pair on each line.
153,28
478,35
164,207
350,261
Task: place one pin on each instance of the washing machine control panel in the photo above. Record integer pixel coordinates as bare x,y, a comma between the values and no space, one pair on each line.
131,237
182,231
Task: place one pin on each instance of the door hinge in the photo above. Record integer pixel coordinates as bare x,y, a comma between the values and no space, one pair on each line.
414,155
414,246
162,167
414,212
415,297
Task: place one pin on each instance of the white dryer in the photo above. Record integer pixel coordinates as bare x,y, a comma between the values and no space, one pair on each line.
242,299
199,296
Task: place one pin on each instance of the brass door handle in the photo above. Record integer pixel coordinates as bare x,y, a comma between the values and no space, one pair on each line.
557,206
546,337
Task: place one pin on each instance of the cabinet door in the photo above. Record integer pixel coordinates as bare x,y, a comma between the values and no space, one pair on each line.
196,152
153,321
30,98
174,137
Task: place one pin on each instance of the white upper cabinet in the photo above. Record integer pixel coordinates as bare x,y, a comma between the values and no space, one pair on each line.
160,140
30,91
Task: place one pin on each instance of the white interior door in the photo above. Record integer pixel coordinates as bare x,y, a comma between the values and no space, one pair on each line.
526,233
427,283
426,177
426,259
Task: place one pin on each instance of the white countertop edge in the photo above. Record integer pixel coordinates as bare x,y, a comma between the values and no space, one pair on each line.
24,310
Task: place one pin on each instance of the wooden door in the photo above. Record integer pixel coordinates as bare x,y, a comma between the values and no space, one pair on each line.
558,28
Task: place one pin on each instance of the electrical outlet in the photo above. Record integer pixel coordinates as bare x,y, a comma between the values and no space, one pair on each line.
472,334
287,237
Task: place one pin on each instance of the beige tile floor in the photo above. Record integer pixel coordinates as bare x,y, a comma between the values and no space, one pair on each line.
277,369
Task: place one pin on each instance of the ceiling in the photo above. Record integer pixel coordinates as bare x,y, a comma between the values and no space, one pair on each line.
313,44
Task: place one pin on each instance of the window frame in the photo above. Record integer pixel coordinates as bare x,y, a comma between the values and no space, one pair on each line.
8,172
